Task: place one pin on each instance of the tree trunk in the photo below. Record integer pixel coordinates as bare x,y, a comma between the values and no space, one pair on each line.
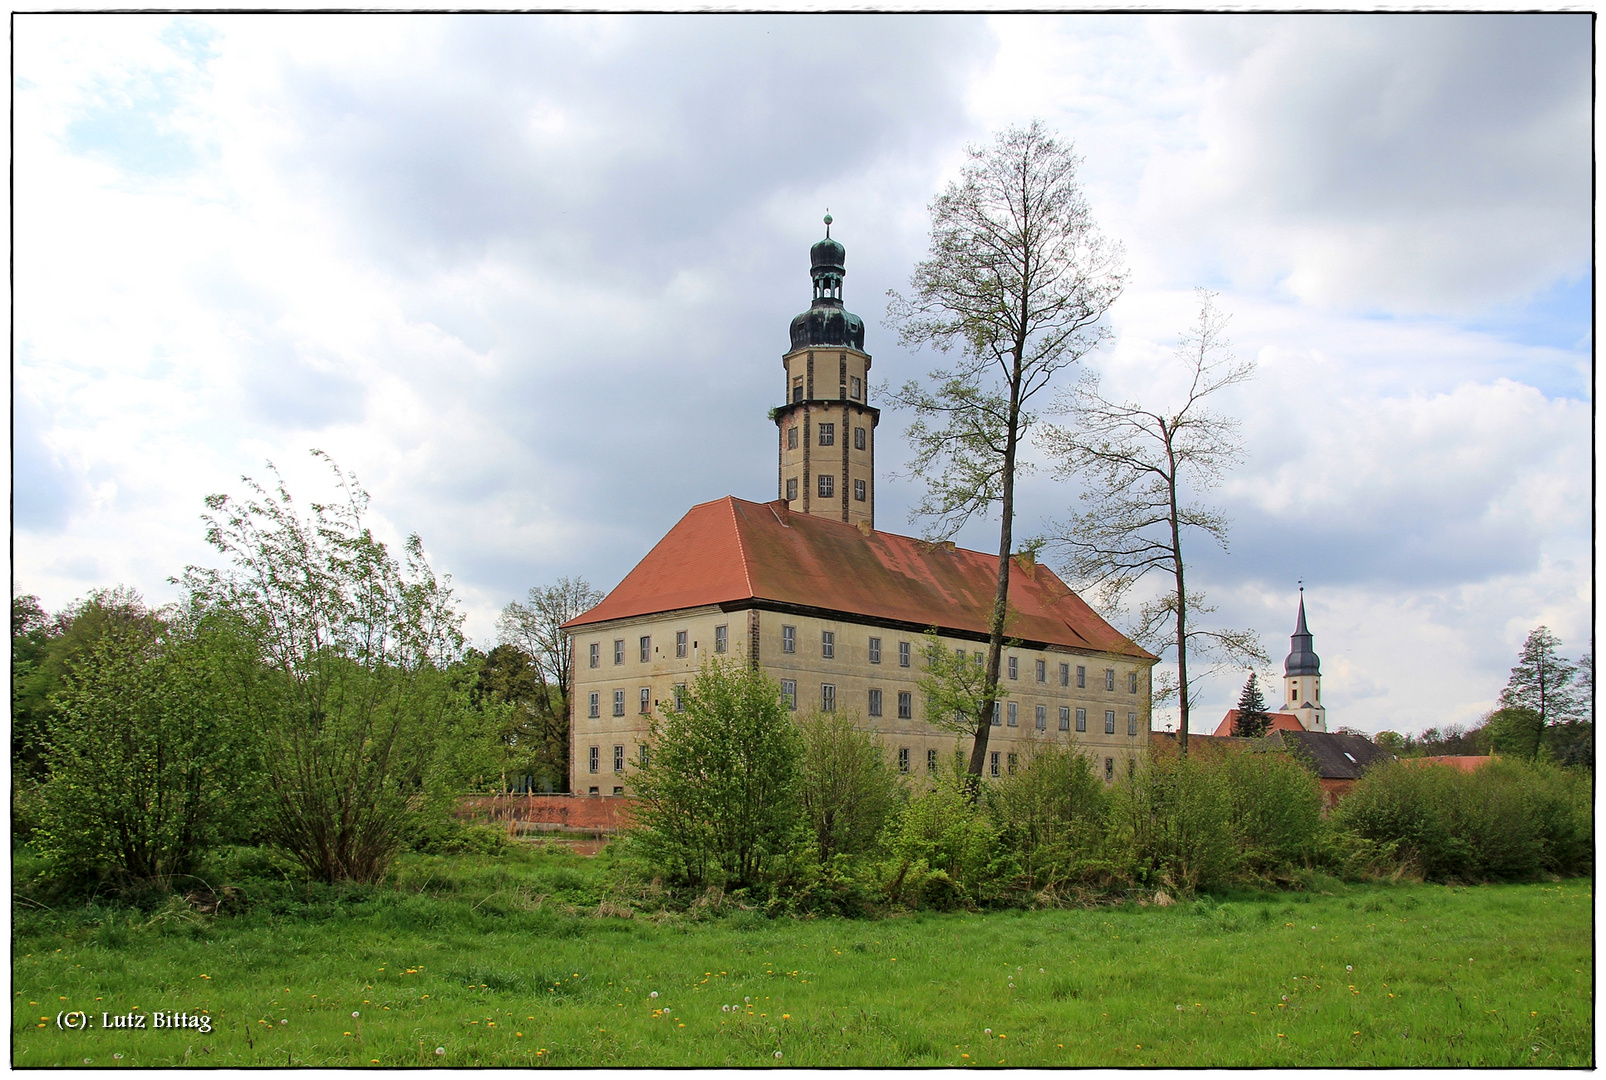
1182,598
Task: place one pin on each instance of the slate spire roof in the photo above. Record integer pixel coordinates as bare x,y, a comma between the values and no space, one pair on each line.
735,553
1302,658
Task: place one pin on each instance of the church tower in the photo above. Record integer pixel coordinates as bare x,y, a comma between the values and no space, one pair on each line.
826,427
1302,676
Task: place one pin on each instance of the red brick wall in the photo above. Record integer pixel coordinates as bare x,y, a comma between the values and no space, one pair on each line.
581,813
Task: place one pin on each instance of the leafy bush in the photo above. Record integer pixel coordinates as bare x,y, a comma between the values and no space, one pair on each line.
848,791
946,850
1173,823
1054,813
1276,808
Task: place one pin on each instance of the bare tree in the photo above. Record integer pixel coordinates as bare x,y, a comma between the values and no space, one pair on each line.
1019,278
534,628
1139,466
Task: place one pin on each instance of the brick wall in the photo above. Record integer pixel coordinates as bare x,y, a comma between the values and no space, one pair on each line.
550,813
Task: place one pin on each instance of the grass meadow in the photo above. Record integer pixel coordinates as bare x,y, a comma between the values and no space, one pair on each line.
518,960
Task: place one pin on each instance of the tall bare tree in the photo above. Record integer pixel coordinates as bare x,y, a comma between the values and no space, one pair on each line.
1018,279
533,627
1142,468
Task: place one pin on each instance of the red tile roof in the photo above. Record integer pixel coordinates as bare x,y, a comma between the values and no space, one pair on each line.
1464,762
1280,721
731,551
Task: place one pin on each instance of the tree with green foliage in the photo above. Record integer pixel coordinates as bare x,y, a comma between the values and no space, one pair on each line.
1252,720
1019,278
1054,813
1543,680
146,762
719,796
535,628
954,687
1138,465
534,740
365,716
1515,732
849,790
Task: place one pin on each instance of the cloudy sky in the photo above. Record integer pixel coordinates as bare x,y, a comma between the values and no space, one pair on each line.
530,278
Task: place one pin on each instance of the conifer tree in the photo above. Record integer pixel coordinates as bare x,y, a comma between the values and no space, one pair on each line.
1253,720
1543,680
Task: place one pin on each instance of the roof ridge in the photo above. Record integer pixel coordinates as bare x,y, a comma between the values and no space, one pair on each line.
741,543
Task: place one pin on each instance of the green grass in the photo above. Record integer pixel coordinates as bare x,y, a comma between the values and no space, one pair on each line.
482,956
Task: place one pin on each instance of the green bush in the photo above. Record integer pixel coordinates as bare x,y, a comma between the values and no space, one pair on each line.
849,791
1276,809
945,832
1173,823
1054,813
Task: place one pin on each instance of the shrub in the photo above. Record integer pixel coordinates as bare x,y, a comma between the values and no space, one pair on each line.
849,791
945,832
719,797
1054,814
1173,819
1276,808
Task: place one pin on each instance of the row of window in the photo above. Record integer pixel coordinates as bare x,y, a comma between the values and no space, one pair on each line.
828,652
876,704
855,387
1011,758
827,437
721,644
825,484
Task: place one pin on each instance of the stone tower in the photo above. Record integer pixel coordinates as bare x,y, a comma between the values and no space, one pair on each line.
826,427
1302,676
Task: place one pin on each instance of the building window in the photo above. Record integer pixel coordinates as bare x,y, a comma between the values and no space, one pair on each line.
1042,671
827,434
827,485
646,650
618,759
789,639
903,654
680,697
856,392
931,761
646,700
998,714
594,708
1131,723
721,638
1014,668
827,697
906,705
1318,693
1109,678
1081,677
593,758
1109,770
903,759
791,437
1065,674
875,650
596,653
1042,718
875,702
1131,682
1014,715
797,389
618,791
789,693
1109,722
859,490
645,756
858,438
1065,718
1013,760
1081,719
593,791
992,762
619,650
680,644
791,489
618,703
828,644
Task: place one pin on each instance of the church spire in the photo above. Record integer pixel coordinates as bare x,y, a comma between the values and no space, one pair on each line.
1302,675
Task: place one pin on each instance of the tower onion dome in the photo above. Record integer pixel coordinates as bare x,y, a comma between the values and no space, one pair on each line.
1302,659
826,322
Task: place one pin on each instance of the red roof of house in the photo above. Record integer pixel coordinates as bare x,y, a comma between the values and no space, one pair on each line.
1280,721
1464,762
731,550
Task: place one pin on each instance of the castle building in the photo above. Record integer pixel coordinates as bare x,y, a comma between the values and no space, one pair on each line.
806,589
1302,708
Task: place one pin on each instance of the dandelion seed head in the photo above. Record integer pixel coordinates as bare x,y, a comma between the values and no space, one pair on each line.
440,1051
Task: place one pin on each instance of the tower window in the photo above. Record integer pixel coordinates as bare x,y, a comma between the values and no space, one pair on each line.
856,388
858,438
791,489
797,389
827,434
827,485
858,490
791,437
